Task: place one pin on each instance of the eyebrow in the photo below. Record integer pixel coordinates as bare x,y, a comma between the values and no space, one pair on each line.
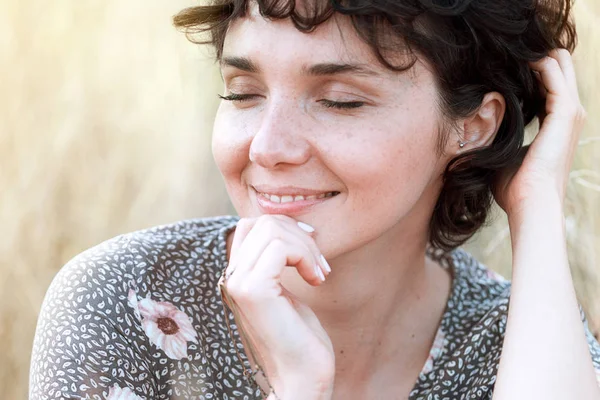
241,63
322,69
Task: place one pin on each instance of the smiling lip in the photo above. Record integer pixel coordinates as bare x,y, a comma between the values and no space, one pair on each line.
289,200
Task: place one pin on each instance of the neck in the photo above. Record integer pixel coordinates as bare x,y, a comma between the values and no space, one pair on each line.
381,306
370,282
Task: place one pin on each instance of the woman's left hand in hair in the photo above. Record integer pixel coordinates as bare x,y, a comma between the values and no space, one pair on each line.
546,162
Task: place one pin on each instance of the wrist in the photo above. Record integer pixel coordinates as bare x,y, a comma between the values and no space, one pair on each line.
534,208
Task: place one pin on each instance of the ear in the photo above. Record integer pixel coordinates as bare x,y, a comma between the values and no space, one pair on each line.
480,128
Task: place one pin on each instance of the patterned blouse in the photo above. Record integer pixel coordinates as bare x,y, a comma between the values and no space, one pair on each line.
140,317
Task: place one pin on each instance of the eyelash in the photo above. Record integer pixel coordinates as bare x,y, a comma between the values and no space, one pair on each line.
327,103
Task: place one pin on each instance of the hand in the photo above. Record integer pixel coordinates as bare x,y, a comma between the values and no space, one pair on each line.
287,338
547,161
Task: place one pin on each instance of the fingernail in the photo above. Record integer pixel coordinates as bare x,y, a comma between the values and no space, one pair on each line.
306,227
325,263
319,272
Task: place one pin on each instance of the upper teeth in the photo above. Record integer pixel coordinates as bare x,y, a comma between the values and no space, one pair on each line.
288,198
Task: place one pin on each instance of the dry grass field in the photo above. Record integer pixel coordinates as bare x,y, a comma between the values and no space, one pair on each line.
105,115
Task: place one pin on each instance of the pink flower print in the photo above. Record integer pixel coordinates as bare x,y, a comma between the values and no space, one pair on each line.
166,326
117,393
495,276
438,345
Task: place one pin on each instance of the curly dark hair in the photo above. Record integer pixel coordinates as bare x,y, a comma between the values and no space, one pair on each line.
474,46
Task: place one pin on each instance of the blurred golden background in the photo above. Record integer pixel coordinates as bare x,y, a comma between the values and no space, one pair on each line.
105,119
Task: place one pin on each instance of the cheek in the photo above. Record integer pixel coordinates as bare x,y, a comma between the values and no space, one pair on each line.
389,165
230,146
386,182
399,169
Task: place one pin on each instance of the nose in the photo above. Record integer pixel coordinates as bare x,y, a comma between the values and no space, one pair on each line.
280,139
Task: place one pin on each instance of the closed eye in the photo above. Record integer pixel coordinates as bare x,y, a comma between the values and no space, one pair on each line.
237,97
342,105
345,105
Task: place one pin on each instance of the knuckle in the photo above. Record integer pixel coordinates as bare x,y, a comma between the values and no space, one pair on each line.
558,52
563,52
550,63
581,118
277,244
268,223
284,218
263,217
231,284
239,291
245,222
266,217
245,292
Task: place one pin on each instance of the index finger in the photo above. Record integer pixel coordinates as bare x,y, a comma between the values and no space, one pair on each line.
243,227
565,62
551,74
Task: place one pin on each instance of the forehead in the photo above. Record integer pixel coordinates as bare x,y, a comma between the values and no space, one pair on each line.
280,42
254,32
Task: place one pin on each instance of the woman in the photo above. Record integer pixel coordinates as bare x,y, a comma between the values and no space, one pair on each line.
361,143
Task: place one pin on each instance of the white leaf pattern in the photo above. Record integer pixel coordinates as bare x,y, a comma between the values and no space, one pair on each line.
98,333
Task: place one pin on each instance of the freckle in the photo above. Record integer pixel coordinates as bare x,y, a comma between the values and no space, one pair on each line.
341,351
412,336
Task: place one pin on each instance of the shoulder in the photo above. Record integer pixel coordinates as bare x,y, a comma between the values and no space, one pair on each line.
480,299
477,310
476,288
104,308
480,286
472,330
469,343
167,260
151,251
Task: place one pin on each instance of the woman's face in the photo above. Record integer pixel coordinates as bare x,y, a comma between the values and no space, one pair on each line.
288,143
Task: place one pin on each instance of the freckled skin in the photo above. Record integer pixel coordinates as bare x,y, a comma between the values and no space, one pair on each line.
380,157
382,303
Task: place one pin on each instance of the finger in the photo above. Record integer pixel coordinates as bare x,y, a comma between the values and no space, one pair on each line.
278,226
280,253
265,330
306,233
261,297
243,227
265,231
565,61
552,76
254,238
249,322
258,299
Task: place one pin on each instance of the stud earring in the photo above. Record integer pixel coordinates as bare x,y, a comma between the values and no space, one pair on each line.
461,144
